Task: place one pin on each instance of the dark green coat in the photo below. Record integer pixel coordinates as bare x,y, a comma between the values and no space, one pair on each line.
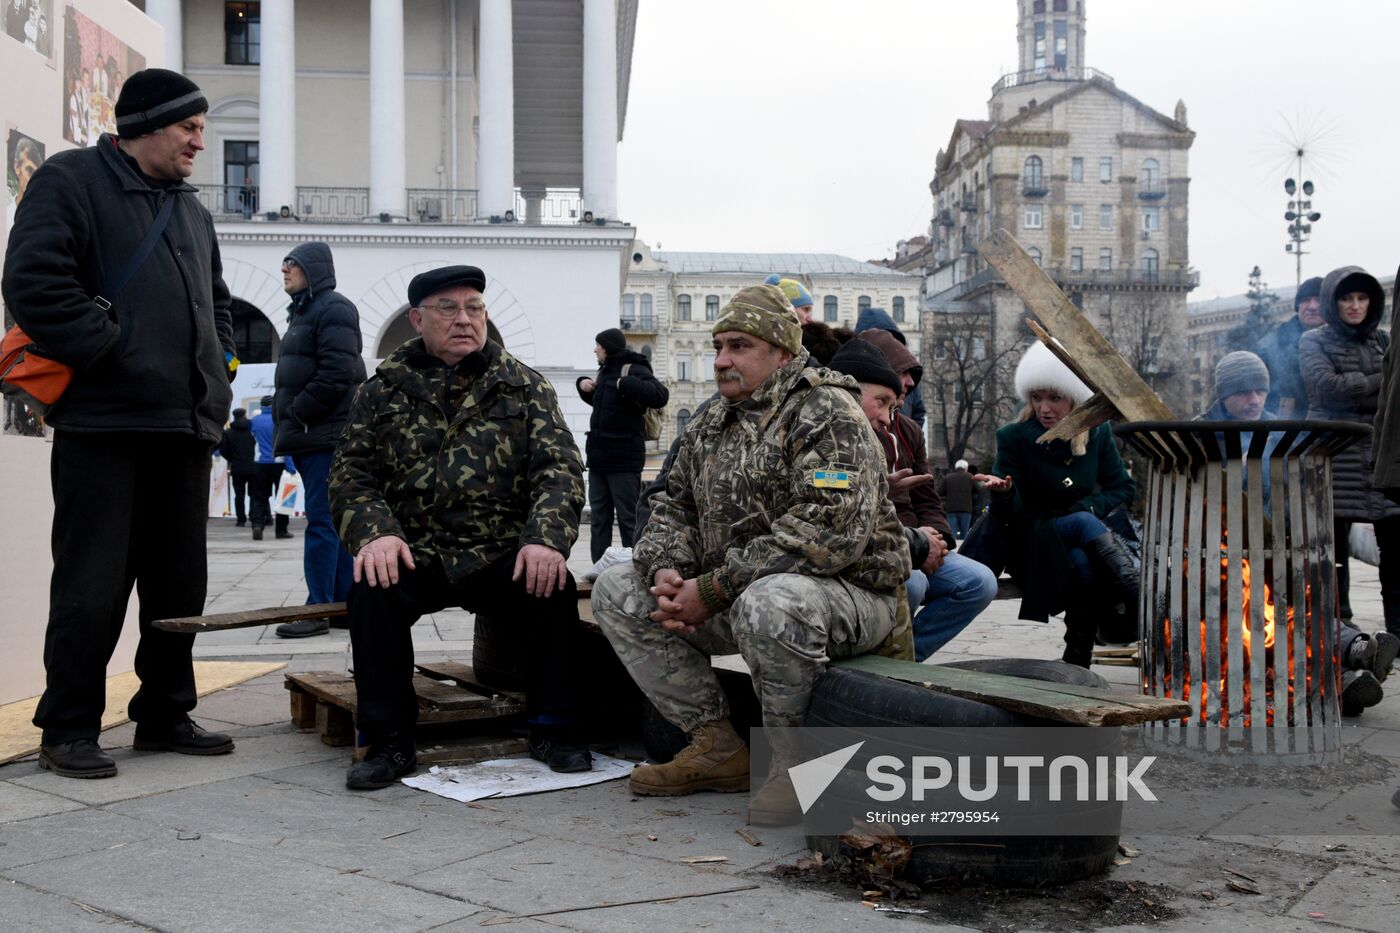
1047,482
466,464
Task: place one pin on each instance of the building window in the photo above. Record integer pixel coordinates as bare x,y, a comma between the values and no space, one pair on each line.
1034,217
829,309
1149,265
1076,216
242,33
240,178
707,371
682,420
1034,253
648,318
1040,44
711,307
1106,168
899,309
1076,260
682,367
629,311
1061,6
1032,176
1038,7
1151,173
1151,219
1105,216
682,307
1076,169
1061,45
1105,260
862,304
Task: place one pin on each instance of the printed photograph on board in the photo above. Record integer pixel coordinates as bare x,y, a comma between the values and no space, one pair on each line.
23,156
95,66
30,23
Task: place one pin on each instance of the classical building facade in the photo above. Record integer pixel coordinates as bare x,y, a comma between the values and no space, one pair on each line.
671,299
411,135
1092,182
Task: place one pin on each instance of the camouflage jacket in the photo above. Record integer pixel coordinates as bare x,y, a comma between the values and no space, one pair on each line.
789,480
465,464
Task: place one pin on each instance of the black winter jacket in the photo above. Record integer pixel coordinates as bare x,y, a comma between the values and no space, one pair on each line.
1342,366
616,434
239,447
155,360
320,365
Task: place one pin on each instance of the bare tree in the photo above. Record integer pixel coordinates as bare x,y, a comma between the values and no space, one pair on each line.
967,382
1147,333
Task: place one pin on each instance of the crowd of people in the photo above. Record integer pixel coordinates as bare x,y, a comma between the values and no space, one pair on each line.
795,520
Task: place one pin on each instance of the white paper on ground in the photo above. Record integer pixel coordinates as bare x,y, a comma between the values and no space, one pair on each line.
511,777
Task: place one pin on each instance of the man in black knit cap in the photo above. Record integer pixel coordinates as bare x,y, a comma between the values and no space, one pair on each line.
113,269
1288,397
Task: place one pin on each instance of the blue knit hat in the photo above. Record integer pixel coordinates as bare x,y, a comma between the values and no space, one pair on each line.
796,292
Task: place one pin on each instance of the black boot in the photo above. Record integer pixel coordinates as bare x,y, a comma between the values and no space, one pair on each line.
555,747
184,736
1079,638
388,759
79,759
1114,562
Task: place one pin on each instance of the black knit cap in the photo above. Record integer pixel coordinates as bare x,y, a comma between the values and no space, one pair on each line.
612,340
1311,288
155,98
427,284
864,361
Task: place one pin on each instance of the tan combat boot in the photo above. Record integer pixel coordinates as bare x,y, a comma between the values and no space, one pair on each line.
716,759
776,804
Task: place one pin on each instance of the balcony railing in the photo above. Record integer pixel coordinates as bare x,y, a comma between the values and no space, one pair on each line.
229,201
645,324
1033,186
332,205
1015,79
549,206
442,205
1177,278
1151,190
969,203
945,218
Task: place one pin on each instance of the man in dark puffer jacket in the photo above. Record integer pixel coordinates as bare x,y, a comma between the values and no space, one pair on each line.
617,436
317,373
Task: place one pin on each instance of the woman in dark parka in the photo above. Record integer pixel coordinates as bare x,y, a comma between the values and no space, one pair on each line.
1050,500
1341,363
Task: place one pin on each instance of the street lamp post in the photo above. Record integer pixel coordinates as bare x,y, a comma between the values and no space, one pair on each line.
1300,217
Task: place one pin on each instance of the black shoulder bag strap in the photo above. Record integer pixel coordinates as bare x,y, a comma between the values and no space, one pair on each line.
134,263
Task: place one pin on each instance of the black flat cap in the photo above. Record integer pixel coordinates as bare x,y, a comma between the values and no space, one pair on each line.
425,284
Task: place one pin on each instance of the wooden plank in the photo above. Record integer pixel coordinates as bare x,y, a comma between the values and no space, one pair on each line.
463,675
1084,706
1107,372
223,621
475,748
303,709
434,694
339,690
336,725
336,689
1095,411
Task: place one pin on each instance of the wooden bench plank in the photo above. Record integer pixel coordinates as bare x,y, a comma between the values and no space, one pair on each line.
339,690
1085,706
434,694
249,617
463,675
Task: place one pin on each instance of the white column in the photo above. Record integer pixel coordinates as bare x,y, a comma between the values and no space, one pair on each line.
387,140
277,108
600,107
495,162
168,14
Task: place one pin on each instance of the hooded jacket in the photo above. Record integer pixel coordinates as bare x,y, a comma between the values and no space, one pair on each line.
1386,474
239,447
1341,365
878,318
616,434
154,361
319,365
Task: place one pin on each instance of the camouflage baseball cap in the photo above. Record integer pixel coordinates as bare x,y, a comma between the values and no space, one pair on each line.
765,312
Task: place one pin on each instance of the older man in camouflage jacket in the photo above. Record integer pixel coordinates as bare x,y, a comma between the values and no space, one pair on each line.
456,483
774,538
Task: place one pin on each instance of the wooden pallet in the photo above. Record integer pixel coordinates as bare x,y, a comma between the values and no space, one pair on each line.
448,695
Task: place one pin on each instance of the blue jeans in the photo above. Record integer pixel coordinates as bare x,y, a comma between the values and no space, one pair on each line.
955,593
1076,530
326,563
961,522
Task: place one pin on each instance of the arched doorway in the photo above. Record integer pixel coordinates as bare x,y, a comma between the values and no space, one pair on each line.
253,334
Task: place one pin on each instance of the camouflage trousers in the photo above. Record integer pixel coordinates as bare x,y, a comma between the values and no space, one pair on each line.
786,626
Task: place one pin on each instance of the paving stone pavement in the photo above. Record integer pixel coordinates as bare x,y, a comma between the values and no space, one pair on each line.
269,838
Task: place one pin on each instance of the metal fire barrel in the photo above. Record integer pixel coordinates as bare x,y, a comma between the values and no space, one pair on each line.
1238,553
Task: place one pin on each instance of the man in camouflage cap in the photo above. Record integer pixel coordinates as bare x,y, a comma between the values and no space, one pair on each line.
456,483
774,538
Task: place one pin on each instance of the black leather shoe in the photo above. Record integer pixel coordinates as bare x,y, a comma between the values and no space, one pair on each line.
551,747
285,534
1387,647
257,532
82,758
1360,690
385,763
304,628
184,737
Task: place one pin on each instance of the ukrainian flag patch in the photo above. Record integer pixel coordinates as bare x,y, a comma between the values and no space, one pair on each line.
831,479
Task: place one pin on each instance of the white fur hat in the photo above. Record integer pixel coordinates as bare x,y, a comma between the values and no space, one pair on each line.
1041,369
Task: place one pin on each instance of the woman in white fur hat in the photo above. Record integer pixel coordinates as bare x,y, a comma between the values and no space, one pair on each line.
1050,499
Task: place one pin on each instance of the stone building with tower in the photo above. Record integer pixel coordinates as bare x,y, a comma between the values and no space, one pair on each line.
1093,183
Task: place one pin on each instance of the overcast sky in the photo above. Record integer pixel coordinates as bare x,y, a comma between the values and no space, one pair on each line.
812,125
